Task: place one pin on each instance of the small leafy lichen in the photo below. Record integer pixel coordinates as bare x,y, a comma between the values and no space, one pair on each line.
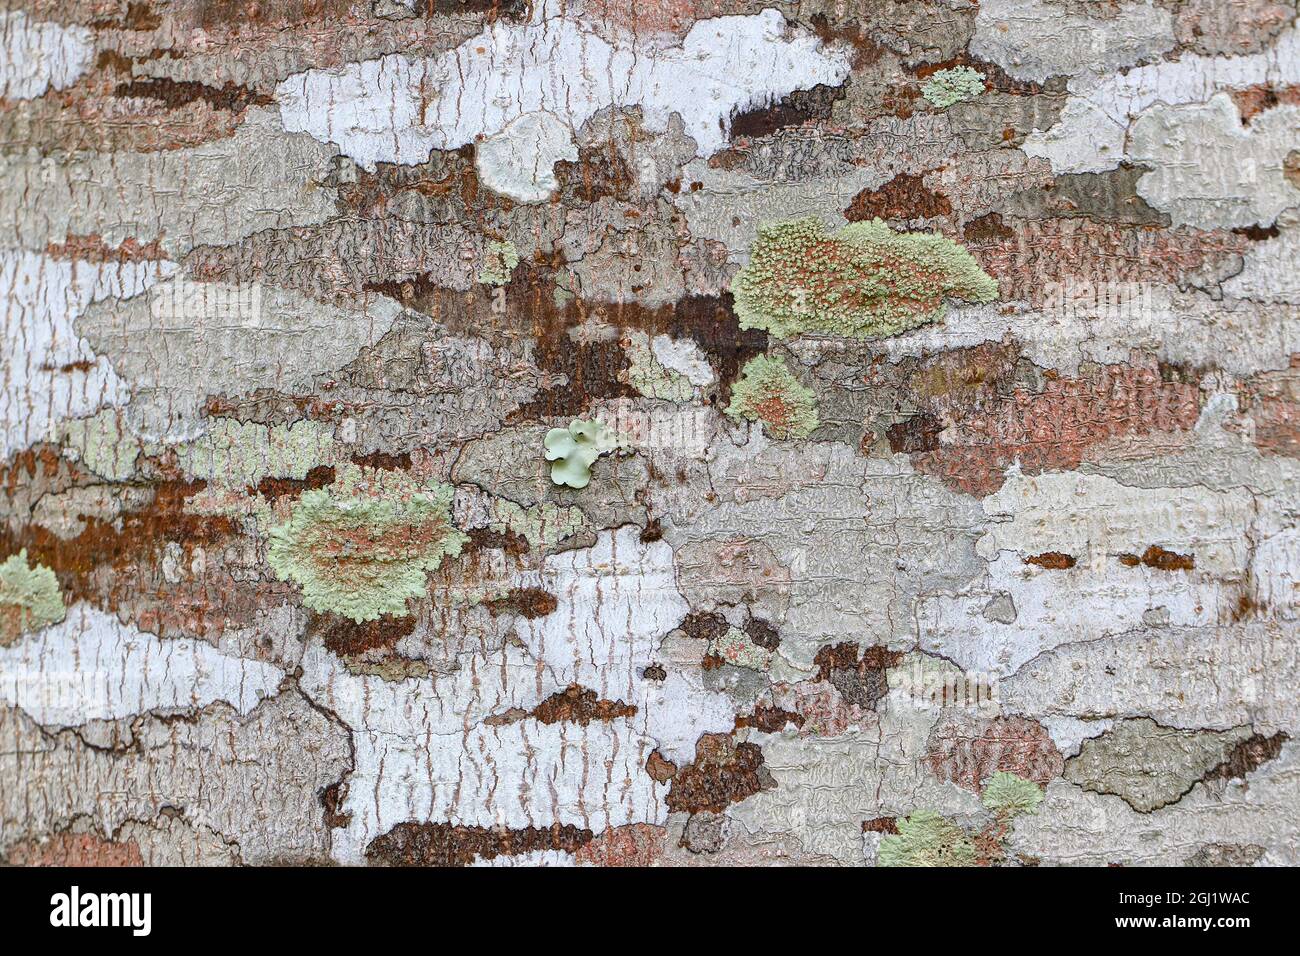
1007,794
767,392
948,87
573,450
866,280
926,839
29,598
361,555
499,262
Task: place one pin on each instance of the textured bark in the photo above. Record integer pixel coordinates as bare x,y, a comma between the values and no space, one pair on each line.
639,432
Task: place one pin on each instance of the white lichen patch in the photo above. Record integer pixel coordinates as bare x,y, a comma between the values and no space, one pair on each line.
519,161
1090,135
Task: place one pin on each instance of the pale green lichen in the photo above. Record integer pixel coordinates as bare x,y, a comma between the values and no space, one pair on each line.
573,450
866,280
542,525
1007,794
103,445
926,839
500,259
361,555
768,392
648,375
29,598
244,453
738,648
948,87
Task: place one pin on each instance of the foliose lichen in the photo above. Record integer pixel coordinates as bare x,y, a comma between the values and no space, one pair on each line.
1007,794
926,839
500,259
29,598
573,450
947,87
768,392
866,280
361,555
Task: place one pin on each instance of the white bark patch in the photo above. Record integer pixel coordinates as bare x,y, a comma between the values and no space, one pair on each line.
519,161
397,110
1034,40
50,372
1089,137
36,56
92,667
1209,169
1094,520
425,752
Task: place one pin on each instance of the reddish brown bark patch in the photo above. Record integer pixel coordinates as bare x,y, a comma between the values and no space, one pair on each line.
1251,754
443,844
636,844
1054,430
903,197
769,719
580,705
888,825
967,751
1052,560
724,772
346,638
93,248
177,93
75,849
858,675
1040,252
530,603
1158,558
1254,100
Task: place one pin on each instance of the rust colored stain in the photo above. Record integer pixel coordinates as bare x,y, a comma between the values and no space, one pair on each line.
1055,429
967,751
1052,560
443,844
1160,559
